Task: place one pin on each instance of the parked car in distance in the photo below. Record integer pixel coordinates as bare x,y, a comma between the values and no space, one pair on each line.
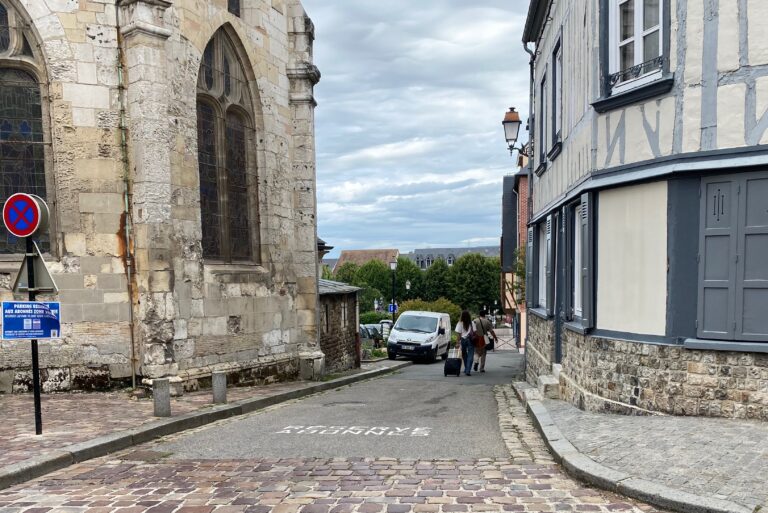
365,335
375,331
420,335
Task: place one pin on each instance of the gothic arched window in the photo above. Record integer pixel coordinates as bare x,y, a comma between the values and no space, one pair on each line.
226,157
22,144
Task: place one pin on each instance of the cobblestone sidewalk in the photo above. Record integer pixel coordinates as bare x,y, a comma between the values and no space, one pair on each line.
720,458
70,418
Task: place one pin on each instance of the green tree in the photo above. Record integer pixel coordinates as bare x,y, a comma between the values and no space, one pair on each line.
407,270
367,297
446,306
437,281
474,281
375,274
327,274
347,273
441,305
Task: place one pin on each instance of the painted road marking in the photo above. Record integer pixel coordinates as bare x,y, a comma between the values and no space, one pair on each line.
355,430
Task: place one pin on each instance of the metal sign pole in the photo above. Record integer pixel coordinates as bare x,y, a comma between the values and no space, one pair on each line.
35,362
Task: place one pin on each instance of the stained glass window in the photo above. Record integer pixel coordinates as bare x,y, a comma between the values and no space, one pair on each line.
237,188
207,65
227,78
5,30
22,153
234,7
209,179
228,204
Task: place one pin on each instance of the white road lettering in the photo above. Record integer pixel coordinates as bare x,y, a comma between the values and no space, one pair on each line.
355,430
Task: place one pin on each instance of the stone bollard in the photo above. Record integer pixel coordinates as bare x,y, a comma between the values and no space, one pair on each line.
161,393
219,384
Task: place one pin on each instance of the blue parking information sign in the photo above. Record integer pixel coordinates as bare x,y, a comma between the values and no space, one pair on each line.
31,320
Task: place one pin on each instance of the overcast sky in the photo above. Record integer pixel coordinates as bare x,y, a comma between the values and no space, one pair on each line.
410,147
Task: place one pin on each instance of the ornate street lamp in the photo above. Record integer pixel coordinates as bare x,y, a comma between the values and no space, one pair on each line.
393,266
511,126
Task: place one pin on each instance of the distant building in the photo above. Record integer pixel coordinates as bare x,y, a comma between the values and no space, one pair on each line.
363,256
513,239
424,258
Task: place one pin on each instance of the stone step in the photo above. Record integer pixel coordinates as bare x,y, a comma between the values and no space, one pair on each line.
549,386
526,392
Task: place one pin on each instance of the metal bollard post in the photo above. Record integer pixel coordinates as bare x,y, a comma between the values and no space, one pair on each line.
161,393
219,384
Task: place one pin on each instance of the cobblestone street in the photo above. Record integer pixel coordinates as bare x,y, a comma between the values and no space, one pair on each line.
148,478
308,486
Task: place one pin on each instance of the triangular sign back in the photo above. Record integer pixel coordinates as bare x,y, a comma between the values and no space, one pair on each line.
43,279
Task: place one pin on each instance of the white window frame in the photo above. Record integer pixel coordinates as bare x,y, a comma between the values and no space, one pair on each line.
613,35
543,131
557,107
542,267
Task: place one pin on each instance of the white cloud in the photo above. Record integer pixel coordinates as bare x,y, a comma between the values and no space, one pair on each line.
410,147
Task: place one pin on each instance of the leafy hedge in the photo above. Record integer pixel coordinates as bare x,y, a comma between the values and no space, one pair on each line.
374,317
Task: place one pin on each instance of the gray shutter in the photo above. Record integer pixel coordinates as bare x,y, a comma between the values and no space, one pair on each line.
568,213
752,267
587,262
717,259
550,285
530,285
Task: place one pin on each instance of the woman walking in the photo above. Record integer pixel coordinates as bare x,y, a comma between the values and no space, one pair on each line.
465,329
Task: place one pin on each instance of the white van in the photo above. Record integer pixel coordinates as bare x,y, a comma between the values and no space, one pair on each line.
420,335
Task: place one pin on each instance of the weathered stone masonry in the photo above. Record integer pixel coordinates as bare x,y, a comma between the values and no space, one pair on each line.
605,375
190,315
338,341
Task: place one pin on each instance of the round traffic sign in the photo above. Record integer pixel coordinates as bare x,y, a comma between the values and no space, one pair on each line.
22,214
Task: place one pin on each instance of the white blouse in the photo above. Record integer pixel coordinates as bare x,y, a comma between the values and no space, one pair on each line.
462,330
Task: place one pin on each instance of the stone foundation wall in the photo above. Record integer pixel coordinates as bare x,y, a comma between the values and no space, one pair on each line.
633,376
338,342
539,347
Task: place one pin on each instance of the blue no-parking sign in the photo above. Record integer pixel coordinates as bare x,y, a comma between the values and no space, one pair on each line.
31,320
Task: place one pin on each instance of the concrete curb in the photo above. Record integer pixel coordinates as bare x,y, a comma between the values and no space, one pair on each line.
101,446
586,469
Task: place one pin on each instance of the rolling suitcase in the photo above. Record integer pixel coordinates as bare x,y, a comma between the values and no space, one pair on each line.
453,362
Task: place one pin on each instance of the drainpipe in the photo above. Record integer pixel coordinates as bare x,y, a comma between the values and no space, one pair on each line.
126,232
531,139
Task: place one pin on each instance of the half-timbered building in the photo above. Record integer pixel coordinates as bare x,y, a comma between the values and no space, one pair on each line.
648,238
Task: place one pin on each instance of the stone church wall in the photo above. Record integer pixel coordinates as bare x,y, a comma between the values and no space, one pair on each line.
189,315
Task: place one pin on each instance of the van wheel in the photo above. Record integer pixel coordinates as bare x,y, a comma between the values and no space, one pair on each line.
391,356
433,356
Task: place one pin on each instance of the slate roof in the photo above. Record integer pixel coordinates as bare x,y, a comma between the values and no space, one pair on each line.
456,252
326,287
